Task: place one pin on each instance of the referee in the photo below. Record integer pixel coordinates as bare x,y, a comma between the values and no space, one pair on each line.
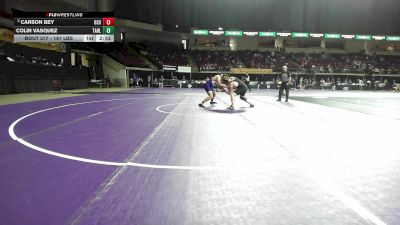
285,79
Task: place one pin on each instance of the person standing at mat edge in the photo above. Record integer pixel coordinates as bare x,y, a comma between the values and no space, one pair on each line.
285,79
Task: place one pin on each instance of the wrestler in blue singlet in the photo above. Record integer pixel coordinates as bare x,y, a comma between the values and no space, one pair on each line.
210,92
208,86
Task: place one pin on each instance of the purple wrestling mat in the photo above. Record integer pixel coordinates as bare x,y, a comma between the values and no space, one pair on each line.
153,156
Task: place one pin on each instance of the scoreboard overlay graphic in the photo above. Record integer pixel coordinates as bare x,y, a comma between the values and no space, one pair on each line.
64,27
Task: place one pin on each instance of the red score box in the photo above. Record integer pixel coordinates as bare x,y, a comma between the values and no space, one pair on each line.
108,21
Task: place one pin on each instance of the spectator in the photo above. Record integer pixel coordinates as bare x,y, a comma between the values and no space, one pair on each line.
148,81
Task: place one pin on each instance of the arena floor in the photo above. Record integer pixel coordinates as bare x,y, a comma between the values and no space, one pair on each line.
152,156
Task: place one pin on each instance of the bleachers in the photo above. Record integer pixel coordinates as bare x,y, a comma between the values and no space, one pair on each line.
124,55
299,62
162,53
216,60
25,69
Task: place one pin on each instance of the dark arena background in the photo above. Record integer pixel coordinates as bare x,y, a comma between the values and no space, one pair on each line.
125,112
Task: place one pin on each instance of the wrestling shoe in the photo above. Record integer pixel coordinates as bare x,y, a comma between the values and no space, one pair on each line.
231,108
201,105
213,103
251,105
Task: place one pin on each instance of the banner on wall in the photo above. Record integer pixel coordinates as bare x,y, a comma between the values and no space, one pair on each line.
251,71
169,68
53,46
184,69
6,35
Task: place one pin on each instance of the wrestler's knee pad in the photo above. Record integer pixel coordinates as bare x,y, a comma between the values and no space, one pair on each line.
243,98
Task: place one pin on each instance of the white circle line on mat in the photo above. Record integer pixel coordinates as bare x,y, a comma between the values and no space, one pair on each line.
173,113
12,134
